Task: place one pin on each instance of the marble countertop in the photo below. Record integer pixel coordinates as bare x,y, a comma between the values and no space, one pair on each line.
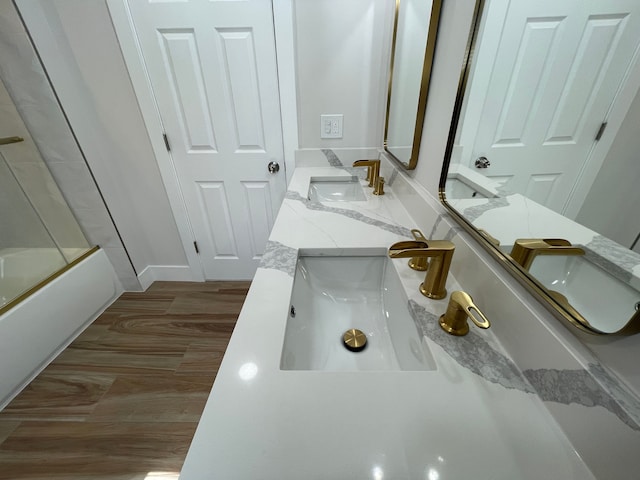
475,416
499,215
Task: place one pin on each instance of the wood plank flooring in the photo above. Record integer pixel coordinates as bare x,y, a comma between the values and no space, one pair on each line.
122,402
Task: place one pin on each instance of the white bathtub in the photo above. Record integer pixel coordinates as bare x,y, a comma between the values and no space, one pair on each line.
33,332
22,268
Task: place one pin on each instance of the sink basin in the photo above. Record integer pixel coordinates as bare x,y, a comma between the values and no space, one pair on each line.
586,285
332,294
336,189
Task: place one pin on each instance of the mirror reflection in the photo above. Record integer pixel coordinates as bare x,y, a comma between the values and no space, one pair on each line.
546,149
412,53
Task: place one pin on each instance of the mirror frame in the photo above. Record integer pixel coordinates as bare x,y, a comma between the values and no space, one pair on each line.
560,311
436,7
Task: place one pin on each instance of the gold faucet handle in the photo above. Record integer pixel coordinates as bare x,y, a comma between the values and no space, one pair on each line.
461,307
417,234
379,187
421,264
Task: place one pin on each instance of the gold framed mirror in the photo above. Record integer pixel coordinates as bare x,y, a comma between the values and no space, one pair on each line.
541,159
413,44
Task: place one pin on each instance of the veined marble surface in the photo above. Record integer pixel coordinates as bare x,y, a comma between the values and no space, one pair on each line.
476,416
497,215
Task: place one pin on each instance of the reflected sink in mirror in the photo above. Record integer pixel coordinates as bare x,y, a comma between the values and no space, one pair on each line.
458,189
332,294
606,302
336,189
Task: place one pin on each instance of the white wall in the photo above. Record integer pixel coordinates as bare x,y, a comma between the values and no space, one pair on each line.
611,207
342,63
77,43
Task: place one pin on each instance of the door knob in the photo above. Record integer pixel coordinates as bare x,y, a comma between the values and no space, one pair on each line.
273,167
482,162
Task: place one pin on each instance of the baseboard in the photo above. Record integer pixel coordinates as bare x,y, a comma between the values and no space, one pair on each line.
167,273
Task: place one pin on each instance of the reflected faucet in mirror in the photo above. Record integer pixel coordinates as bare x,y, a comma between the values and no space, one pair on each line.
526,249
439,251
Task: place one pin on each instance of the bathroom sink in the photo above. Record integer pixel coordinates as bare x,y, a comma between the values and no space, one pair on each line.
585,285
336,189
333,294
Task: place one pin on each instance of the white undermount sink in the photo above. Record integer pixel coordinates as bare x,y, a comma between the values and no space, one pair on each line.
332,294
606,302
336,189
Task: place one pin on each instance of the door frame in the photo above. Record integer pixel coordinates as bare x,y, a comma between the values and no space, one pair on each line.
283,20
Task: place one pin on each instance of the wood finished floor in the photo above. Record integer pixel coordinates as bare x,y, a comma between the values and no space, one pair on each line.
122,402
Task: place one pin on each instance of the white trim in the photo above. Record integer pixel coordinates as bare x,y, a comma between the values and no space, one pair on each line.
283,26
124,28
165,273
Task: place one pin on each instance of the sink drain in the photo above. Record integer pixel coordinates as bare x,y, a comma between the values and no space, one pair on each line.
354,340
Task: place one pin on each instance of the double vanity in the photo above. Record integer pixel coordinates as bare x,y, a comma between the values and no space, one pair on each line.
293,399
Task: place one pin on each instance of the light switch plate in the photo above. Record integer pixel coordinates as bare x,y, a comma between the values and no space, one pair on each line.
331,125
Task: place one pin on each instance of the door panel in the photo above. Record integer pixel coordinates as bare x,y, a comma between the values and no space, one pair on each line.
212,68
187,86
594,54
258,199
217,219
243,82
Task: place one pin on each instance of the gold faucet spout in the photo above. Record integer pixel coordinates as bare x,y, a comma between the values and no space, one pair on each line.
525,250
439,251
419,248
373,170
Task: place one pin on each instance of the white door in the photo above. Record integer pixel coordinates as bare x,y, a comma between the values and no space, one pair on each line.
212,68
555,69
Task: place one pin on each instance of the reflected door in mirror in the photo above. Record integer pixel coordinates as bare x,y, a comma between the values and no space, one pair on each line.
546,75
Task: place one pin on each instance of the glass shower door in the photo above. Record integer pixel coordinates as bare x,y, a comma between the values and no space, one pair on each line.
39,235
28,254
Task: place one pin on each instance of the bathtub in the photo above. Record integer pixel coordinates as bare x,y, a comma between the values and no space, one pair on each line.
21,268
36,330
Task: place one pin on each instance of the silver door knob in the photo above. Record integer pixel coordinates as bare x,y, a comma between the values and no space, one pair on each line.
482,162
273,167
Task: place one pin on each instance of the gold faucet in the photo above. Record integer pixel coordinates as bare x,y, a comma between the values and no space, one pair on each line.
440,252
461,306
373,171
526,249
